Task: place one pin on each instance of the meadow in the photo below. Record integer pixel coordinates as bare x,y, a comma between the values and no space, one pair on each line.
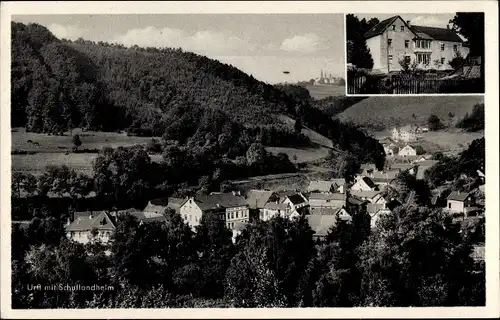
385,112
320,92
451,141
57,150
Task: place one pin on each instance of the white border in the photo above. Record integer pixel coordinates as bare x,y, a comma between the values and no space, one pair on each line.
491,101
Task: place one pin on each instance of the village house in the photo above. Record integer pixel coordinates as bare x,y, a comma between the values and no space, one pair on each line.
393,40
87,226
329,200
390,150
376,210
296,201
275,209
407,151
458,202
229,207
322,223
405,134
374,197
158,206
327,186
363,183
257,199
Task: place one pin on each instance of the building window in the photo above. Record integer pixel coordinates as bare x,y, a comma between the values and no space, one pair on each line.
442,46
232,215
402,28
393,27
423,58
455,48
237,214
407,59
442,60
390,58
389,42
449,205
407,43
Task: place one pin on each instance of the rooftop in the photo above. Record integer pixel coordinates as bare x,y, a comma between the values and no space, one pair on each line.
217,200
458,196
257,199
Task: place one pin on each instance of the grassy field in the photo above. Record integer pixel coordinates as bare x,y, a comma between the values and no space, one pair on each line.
320,92
386,112
36,163
301,155
52,150
90,140
451,141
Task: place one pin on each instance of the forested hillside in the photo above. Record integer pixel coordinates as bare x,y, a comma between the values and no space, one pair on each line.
59,84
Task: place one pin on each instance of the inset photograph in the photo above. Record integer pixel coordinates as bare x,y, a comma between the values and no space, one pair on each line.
415,53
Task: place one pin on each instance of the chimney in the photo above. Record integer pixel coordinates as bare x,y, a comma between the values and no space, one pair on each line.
408,22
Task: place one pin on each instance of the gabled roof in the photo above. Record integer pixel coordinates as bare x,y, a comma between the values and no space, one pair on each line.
257,199
276,206
321,223
327,196
296,199
383,25
369,182
161,204
219,200
325,211
339,181
380,27
356,201
458,196
103,221
365,194
442,34
320,185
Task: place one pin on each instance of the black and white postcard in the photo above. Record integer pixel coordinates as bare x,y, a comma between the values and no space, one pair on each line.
208,159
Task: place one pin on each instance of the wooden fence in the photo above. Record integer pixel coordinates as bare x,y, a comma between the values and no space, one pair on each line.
395,85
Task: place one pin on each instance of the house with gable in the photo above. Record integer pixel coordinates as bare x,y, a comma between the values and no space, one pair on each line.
321,223
459,202
327,200
90,225
327,186
229,207
407,150
158,206
296,201
364,183
275,209
394,39
405,134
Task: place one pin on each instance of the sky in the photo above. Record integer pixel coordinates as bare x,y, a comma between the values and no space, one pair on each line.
420,19
263,45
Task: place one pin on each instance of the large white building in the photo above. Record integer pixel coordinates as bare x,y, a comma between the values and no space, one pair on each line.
394,40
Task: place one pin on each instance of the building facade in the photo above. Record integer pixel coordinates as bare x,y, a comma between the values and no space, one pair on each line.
394,40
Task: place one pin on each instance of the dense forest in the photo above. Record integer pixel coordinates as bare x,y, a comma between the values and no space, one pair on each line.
60,84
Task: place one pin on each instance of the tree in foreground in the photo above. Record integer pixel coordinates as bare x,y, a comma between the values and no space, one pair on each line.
270,260
414,258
